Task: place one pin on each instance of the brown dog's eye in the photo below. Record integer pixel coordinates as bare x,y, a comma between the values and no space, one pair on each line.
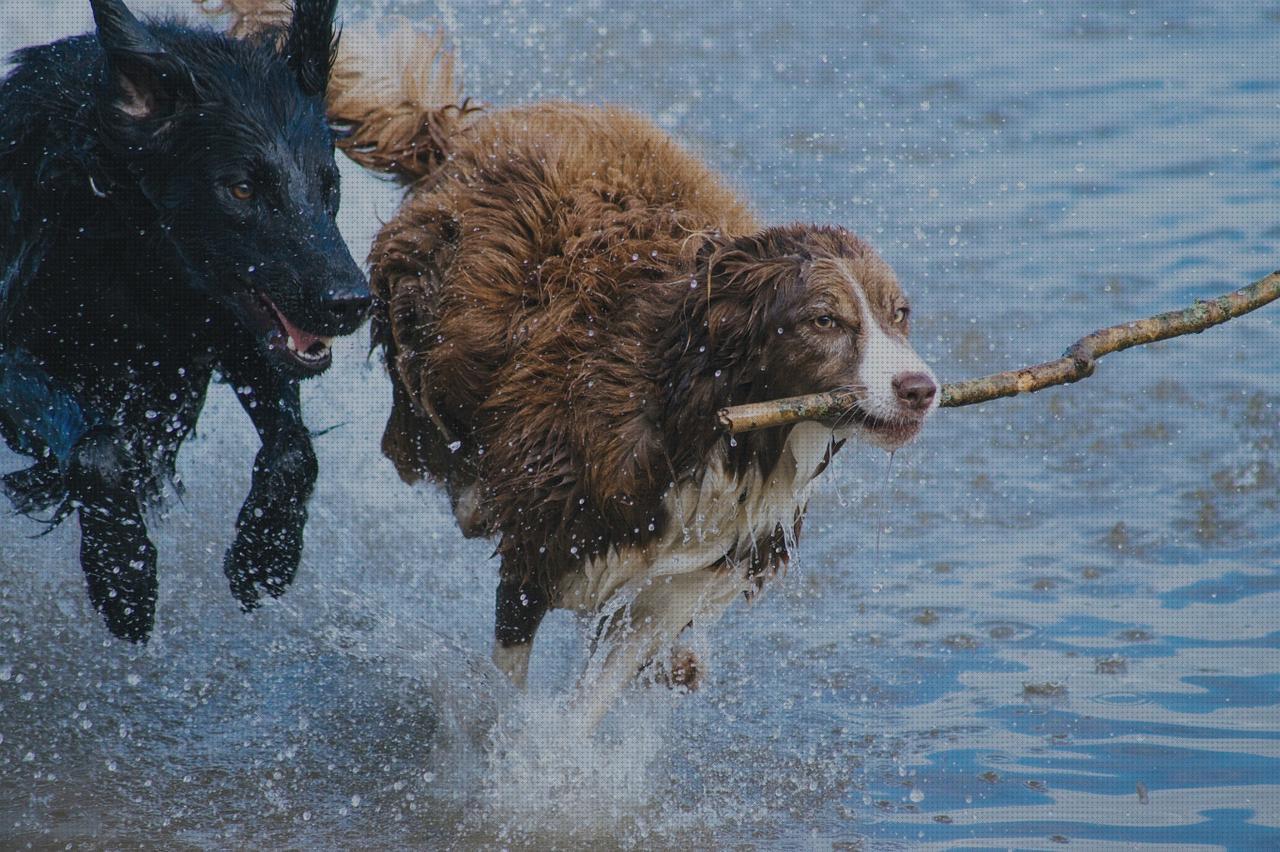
900,315
826,321
242,191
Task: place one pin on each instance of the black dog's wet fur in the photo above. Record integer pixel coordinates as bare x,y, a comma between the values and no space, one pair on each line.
130,273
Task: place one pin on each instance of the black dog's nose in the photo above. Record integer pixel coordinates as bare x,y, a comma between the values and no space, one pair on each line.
348,307
914,390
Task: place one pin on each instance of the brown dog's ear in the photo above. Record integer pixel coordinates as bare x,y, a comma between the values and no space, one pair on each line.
757,272
732,291
311,44
147,81
731,307
719,253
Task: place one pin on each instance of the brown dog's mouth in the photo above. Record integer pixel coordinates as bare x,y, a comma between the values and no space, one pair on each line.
890,433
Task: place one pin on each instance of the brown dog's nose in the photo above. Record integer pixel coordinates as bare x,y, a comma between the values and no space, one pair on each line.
914,390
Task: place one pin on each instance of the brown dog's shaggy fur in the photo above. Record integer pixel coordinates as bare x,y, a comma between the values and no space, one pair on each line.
567,297
567,301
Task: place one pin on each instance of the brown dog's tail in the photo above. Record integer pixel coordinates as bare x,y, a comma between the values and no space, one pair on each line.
396,99
249,17
393,96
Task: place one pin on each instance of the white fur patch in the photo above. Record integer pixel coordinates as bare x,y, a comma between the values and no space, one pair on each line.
666,585
884,357
709,520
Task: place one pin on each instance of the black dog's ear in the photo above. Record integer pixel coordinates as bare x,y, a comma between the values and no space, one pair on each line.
147,81
311,44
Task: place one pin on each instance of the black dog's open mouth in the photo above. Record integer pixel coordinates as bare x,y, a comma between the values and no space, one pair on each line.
307,352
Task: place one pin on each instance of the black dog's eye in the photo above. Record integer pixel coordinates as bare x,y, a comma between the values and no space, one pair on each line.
242,191
826,321
900,315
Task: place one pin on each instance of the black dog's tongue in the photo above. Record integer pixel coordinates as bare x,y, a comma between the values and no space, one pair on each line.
298,340
302,341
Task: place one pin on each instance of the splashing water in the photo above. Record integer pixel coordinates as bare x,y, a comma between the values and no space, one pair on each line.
882,507
1079,598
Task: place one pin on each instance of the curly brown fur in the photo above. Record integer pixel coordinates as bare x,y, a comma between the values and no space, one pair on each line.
565,305
529,253
565,298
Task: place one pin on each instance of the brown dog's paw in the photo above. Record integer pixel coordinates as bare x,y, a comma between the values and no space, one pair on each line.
685,670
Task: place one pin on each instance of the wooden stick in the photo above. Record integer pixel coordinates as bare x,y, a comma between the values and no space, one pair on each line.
1078,362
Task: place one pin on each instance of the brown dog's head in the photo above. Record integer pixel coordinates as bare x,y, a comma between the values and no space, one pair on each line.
800,309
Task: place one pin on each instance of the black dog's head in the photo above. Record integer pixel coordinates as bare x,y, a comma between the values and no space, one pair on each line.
227,140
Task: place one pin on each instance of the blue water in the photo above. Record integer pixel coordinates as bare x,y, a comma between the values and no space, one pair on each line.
1054,619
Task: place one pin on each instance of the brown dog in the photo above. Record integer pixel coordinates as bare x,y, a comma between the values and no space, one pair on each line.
567,299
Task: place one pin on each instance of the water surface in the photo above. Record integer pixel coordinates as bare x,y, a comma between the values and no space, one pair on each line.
1053,620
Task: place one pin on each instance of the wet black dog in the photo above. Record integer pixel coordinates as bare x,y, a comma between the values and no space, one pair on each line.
167,204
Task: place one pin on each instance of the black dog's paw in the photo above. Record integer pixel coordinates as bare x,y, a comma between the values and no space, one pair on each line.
119,563
265,554
34,489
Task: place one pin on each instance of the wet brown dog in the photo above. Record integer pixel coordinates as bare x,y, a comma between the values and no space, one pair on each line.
567,299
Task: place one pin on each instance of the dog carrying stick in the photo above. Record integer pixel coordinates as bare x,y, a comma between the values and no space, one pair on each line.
1078,362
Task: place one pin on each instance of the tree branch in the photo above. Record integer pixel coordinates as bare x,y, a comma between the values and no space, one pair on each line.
1078,362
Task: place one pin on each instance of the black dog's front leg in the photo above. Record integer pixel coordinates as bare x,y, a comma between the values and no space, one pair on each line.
268,541
118,559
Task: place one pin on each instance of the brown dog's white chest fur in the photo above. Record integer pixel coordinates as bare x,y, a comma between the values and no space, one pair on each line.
653,592
720,517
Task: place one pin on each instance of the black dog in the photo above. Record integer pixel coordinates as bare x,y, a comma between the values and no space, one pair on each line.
167,203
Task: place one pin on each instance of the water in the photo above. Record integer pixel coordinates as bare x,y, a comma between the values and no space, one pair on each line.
1070,628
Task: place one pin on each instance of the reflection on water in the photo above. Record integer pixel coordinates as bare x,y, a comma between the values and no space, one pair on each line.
1070,630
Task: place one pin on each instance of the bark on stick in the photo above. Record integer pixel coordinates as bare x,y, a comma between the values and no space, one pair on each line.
1078,362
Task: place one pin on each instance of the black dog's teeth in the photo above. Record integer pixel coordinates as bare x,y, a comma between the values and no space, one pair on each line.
317,351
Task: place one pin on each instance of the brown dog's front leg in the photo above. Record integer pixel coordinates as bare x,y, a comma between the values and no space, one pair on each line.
520,608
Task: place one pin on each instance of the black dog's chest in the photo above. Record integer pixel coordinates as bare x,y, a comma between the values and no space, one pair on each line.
129,357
